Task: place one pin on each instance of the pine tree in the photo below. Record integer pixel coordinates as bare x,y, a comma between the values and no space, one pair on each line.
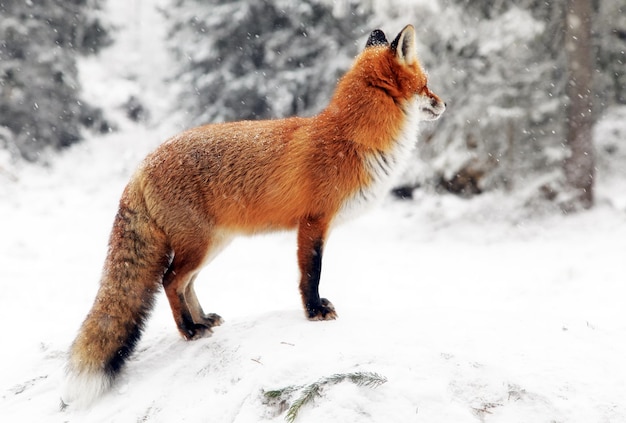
39,91
502,68
262,58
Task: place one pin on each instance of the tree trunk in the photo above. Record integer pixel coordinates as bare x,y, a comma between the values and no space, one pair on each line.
579,166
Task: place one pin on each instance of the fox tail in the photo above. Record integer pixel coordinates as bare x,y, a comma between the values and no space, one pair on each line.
137,259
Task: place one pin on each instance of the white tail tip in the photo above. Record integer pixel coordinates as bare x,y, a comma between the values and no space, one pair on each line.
81,388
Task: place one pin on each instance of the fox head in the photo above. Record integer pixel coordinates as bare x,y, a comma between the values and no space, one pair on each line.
395,69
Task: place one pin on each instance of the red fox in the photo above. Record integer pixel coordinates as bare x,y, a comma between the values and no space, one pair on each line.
201,188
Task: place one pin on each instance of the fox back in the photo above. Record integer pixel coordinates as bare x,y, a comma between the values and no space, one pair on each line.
262,175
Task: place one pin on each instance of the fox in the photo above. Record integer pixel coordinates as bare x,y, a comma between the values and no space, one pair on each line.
198,190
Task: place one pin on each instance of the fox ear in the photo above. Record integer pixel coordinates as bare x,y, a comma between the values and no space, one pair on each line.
377,38
404,46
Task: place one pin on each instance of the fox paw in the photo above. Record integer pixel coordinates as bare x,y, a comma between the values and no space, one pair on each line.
323,311
202,329
211,320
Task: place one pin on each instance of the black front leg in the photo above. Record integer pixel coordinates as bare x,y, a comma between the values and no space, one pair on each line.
311,234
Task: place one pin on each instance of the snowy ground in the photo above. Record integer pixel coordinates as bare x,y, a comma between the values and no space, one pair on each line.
473,310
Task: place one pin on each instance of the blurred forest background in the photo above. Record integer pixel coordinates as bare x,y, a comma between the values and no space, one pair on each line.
504,67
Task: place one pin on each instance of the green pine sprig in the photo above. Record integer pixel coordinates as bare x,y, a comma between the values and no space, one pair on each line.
309,392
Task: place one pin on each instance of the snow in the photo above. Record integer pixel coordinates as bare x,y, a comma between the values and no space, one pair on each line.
474,310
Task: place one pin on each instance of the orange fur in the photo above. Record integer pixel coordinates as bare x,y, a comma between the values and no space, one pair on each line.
208,184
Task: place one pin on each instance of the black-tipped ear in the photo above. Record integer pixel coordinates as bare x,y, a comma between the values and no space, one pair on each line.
404,45
377,38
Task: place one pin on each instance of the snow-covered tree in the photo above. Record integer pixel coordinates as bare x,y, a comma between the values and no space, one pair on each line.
39,92
491,63
499,97
501,67
262,58
499,64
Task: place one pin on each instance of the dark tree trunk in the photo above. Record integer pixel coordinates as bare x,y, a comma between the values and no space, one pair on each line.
579,166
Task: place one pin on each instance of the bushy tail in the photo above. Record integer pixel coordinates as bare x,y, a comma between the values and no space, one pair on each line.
137,259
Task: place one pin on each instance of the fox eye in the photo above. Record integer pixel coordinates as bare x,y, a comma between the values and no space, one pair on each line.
422,85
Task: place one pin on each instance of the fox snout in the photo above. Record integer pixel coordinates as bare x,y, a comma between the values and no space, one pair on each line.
431,106
437,106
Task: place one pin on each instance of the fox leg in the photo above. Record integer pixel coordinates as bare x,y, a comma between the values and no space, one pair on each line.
195,309
178,281
191,253
311,235
175,282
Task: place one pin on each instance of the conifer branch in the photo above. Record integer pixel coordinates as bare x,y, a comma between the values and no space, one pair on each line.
309,392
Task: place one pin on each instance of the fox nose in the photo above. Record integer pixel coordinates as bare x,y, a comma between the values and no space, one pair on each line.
434,103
